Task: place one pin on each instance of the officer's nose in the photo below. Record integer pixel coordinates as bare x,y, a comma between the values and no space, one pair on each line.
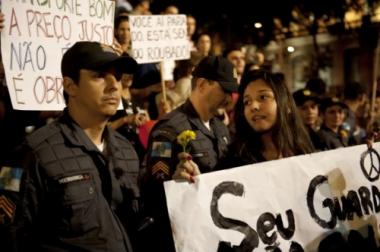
111,80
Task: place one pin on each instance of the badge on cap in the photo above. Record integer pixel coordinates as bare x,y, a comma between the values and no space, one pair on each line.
306,92
10,178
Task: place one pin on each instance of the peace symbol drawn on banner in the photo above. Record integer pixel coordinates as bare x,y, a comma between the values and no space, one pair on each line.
371,169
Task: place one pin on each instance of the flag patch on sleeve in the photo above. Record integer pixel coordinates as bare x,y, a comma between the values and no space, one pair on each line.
161,149
10,178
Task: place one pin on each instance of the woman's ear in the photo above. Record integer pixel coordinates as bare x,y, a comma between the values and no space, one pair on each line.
70,86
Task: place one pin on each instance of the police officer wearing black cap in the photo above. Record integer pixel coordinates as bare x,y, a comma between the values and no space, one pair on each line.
78,180
331,133
308,106
214,79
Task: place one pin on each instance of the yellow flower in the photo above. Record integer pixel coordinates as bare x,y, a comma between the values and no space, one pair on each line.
343,133
185,137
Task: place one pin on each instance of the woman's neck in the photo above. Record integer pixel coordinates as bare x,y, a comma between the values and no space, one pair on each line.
270,150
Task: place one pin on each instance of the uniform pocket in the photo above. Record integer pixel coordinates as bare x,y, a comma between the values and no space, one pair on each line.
79,200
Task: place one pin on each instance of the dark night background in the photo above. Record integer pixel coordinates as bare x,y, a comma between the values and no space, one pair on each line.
234,20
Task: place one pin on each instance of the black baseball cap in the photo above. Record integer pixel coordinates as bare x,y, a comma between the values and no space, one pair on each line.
94,56
303,95
332,101
218,69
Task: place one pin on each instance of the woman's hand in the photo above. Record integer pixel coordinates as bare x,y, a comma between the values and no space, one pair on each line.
186,168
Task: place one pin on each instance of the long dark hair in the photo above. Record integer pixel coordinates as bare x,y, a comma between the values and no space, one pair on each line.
288,132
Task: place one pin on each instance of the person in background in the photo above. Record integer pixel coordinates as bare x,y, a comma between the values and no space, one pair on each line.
122,35
204,45
236,56
355,97
191,24
317,86
141,7
128,120
171,10
308,106
212,84
182,89
332,133
77,180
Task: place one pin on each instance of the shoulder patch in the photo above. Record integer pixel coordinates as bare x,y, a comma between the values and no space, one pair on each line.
160,169
7,210
10,178
161,149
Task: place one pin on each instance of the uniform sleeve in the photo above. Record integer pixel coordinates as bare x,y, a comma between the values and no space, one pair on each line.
161,161
18,204
162,154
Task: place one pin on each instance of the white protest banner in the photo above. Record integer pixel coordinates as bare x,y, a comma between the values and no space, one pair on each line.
293,203
36,35
156,38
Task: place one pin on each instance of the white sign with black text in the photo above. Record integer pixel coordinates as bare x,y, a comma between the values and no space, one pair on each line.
292,204
35,36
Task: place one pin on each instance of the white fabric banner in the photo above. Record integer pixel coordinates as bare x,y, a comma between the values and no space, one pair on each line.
36,35
292,203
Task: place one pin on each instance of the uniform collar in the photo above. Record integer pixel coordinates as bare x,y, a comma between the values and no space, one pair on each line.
194,118
76,135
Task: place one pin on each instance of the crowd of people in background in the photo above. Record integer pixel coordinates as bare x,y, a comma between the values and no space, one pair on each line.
242,112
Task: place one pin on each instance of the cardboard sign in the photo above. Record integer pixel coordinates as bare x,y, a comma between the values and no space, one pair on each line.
156,38
293,204
36,35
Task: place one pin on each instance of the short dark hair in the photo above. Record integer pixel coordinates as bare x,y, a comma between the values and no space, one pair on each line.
353,90
231,48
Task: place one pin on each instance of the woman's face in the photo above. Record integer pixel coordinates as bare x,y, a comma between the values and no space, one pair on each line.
204,44
260,107
123,33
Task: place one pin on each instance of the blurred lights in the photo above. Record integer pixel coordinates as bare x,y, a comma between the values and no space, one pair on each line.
290,49
258,25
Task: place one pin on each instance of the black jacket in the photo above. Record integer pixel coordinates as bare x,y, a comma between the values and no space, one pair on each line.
206,150
74,197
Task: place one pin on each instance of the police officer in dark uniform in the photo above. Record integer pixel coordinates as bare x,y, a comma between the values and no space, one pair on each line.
79,178
308,105
214,79
332,134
